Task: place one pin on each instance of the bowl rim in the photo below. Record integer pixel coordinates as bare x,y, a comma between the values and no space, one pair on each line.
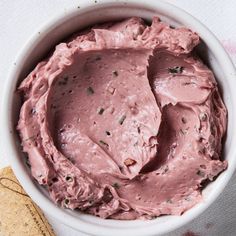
9,140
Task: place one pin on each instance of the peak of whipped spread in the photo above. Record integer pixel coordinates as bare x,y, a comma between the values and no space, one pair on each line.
123,121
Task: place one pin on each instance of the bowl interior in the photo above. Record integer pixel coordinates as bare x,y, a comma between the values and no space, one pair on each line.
39,46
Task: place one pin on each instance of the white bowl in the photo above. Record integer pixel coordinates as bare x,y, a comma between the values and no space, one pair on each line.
60,27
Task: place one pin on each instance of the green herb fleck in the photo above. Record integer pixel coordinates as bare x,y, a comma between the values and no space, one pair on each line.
115,185
183,131
64,82
122,119
166,169
103,143
135,144
30,138
202,150
169,201
69,178
115,73
100,111
28,163
66,78
203,116
66,201
108,133
188,199
176,70
90,91
200,173
33,111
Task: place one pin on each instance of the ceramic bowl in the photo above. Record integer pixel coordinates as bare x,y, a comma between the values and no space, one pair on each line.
61,27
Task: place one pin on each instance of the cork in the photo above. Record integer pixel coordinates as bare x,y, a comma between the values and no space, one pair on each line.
19,216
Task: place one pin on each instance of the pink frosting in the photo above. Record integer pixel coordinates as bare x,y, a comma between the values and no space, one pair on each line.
123,121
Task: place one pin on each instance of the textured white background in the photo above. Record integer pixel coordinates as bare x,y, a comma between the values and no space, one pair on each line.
20,18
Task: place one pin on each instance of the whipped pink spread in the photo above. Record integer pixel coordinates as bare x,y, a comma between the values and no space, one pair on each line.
123,121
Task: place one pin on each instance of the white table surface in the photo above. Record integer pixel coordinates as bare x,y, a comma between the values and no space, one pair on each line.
20,18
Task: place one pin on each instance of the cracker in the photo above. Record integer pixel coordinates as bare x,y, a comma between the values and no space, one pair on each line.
19,216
